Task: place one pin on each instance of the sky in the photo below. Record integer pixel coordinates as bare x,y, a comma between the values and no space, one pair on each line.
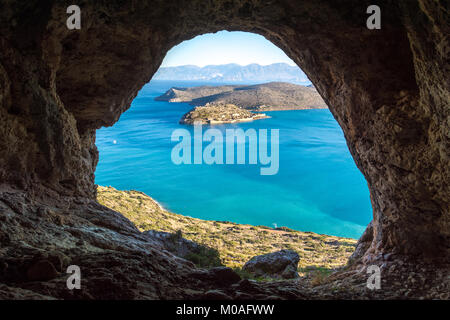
225,47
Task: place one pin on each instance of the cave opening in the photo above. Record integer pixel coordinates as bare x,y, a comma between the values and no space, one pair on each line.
387,88
316,186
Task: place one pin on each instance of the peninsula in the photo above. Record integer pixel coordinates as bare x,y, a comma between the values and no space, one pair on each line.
270,96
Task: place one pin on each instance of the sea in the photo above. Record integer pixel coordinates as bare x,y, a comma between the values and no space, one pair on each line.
317,188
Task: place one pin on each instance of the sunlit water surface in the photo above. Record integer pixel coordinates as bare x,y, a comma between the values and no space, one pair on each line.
318,187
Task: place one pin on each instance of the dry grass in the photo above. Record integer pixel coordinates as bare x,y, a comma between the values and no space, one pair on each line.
236,243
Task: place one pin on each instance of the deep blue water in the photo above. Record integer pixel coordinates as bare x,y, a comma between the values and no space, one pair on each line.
318,187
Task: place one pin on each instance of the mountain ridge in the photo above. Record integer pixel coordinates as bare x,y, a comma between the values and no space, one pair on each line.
234,72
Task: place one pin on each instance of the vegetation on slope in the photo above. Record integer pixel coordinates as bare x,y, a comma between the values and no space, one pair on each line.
270,96
213,113
236,243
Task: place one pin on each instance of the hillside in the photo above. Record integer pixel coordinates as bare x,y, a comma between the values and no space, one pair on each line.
220,113
262,97
233,72
236,243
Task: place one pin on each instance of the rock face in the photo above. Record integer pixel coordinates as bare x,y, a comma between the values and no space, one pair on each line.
220,113
198,254
280,264
222,276
268,96
388,89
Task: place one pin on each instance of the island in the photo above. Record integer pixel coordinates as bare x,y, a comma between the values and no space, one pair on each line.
217,113
272,96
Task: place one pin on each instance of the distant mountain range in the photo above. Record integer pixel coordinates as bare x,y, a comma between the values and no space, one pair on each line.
234,72
261,97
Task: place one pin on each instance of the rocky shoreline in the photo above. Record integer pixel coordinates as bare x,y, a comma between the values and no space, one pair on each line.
218,113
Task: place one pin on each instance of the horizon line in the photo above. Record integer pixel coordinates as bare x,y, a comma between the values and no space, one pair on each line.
224,64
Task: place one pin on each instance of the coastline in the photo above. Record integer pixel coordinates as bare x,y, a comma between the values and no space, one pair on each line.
212,122
219,113
272,109
236,243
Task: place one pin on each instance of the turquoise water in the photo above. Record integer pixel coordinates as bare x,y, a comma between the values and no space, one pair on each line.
318,187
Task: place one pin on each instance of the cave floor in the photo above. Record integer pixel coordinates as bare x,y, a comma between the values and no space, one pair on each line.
40,238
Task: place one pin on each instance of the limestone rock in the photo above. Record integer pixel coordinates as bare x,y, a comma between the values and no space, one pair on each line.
42,270
280,264
221,276
363,244
173,242
215,295
198,254
225,276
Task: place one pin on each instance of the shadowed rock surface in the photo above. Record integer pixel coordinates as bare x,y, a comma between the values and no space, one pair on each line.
269,96
280,264
388,89
198,254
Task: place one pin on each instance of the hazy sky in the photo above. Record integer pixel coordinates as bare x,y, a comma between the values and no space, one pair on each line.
225,47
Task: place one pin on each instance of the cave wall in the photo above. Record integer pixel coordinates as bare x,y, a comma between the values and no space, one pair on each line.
388,89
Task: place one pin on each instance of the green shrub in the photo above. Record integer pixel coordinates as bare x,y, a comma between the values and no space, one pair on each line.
175,237
205,258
